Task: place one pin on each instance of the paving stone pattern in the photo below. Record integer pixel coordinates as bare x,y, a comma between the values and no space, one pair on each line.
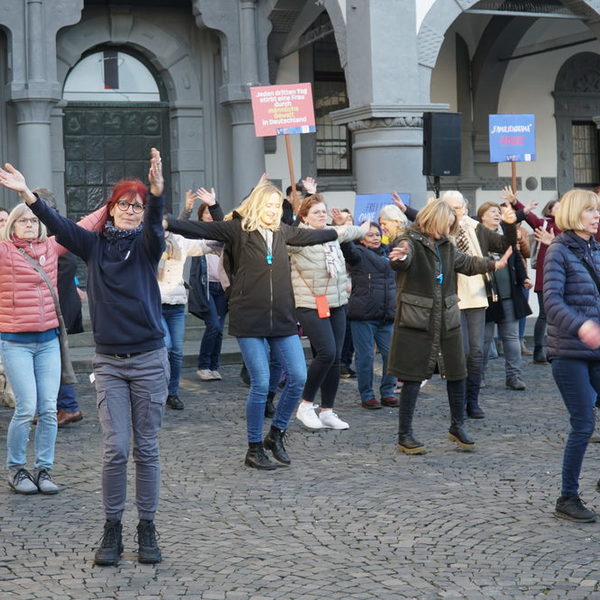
350,519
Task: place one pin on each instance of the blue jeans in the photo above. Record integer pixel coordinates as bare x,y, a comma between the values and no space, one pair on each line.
365,334
67,398
210,346
173,316
33,370
290,354
472,321
508,330
579,383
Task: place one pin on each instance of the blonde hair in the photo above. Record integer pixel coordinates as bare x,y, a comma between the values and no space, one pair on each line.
434,219
251,208
16,213
572,205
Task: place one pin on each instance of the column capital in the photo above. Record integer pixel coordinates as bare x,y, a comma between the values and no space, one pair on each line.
33,110
373,116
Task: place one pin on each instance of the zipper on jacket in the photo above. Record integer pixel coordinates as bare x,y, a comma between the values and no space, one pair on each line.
39,286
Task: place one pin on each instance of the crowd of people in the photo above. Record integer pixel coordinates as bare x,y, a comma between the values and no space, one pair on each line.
437,281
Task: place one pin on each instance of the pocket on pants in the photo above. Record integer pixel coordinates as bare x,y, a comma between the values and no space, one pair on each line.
103,411
156,407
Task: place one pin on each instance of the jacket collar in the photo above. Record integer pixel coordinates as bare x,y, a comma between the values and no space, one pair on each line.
572,240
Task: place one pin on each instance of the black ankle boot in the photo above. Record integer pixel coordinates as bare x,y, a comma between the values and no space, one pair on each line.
474,411
270,406
257,459
539,355
148,550
459,436
274,443
111,545
408,444
456,400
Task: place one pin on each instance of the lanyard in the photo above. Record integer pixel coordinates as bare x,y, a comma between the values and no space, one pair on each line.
440,277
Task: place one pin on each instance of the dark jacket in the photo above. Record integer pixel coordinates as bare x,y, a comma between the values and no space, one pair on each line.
427,335
571,296
124,298
373,295
518,275
261,302
70,302
198,298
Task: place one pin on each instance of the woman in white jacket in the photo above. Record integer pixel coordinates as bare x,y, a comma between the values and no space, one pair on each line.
174,298
321,293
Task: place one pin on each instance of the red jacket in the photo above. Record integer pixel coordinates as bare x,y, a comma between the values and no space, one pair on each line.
25,300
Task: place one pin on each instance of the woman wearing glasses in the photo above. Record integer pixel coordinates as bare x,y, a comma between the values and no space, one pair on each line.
30,348
131,367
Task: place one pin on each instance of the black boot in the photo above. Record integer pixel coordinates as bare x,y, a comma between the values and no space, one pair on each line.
474,411
148,550
257,459
270,406
408,400
111,545
274,443
456,400
539,355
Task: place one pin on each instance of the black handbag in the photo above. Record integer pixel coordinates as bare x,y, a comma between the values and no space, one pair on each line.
67,373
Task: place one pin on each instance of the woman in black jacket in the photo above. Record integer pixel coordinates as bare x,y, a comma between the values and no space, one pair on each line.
371,308
261,307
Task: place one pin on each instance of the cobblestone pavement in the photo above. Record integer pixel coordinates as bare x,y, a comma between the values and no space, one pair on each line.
351,518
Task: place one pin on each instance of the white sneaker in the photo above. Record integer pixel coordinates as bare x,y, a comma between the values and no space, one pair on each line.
307,415
216,375
331,420
205,374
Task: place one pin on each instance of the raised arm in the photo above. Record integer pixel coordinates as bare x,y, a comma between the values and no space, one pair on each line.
223,231
297,236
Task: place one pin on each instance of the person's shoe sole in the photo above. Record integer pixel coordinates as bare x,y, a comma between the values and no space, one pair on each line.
106,563
149,561
307,428
476,415
461,444
270,467
417,450
16,491
370,407
567,517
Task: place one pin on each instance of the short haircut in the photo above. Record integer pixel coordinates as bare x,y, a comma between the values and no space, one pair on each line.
434,218
571,207
47,196
391,212
454,195
547,210
485,207
308,203
16,213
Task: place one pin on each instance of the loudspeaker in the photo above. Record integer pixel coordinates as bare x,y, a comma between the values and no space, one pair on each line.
441,143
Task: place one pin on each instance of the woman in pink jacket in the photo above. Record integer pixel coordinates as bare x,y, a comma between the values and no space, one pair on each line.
30,347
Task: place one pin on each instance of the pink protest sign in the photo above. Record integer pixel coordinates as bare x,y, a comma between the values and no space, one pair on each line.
281,109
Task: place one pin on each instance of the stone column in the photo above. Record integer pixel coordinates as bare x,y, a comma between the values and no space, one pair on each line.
386,108
33,137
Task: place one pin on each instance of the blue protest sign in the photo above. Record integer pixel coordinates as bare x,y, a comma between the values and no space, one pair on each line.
367,206
512,138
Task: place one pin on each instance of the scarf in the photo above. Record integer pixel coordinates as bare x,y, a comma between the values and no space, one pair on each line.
332,259
114,233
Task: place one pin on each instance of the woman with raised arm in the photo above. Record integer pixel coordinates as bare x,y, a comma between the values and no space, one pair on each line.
427,333
261,307
321,295
131,366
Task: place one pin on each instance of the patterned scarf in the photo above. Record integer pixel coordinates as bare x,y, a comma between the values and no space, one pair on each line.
114,233
332,259
462,241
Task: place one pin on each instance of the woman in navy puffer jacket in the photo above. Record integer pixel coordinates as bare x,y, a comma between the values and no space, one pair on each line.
572,302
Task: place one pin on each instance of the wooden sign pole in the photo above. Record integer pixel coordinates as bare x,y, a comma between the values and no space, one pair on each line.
513,165
290,159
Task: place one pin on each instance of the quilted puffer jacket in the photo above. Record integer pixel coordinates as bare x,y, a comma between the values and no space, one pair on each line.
571,296
25,300
310,276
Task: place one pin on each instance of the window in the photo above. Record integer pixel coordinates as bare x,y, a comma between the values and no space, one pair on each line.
111,76
334,149
586,166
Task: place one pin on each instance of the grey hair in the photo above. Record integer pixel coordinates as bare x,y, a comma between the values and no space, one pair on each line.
16,213
392,213
454,195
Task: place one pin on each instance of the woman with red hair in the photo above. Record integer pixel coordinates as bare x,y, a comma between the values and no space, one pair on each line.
131,367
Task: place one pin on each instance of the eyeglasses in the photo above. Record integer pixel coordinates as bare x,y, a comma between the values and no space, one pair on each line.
137,207
26,221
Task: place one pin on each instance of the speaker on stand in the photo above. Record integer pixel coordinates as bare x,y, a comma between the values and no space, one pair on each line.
441,146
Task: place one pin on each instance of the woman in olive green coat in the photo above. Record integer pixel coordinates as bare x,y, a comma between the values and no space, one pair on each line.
427,336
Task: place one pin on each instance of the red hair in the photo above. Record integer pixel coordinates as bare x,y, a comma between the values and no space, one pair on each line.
127,189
